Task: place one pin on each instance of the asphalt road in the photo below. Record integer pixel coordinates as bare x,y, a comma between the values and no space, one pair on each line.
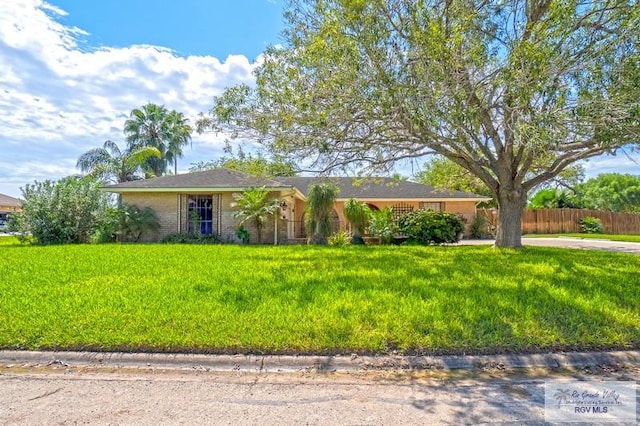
66,388
70,396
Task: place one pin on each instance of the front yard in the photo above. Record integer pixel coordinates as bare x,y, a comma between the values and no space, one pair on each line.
303,299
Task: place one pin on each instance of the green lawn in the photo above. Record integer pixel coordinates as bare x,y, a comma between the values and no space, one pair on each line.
303,299
611,237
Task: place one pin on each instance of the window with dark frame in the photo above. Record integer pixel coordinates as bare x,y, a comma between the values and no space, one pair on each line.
200,211
437,207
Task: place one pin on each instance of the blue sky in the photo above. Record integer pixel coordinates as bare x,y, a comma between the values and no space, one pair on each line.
72,70
189,27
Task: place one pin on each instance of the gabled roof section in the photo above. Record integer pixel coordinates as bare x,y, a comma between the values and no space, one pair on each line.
380,188
8,201
223,180
217,179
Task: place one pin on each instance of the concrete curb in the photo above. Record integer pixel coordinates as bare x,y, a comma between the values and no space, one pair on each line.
330,363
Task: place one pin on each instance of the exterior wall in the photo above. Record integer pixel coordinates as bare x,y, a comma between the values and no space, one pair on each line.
166,206
9,209
5,210
229,225
290,218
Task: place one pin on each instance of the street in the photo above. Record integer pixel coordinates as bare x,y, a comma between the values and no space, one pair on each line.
60,394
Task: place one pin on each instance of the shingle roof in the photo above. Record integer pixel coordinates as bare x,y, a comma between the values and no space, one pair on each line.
378,188
217,178
8,201
367,188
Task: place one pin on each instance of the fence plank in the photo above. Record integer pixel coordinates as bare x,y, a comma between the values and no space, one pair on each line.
558,221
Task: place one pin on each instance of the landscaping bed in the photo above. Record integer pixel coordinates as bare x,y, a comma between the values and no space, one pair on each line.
316,300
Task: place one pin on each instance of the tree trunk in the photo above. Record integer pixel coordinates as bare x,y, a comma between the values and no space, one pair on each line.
509,232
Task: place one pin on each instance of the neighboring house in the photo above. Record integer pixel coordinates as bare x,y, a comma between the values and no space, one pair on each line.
209,195
8,205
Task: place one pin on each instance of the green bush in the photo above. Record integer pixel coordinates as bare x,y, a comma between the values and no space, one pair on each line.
126,223
480,227
243,234
340,238
358,215
431,227
68,211
382,225
190,238
591,225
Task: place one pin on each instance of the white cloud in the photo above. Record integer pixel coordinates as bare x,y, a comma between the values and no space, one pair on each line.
625,161
59,99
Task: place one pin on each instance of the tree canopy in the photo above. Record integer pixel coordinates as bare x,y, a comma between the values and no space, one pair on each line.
512,91
113,165
154,126
442,173
254,165
612,192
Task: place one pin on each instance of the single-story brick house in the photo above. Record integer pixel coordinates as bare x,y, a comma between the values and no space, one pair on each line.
210,195
8,205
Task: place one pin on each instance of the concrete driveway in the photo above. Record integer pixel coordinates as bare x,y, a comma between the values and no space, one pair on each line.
567,242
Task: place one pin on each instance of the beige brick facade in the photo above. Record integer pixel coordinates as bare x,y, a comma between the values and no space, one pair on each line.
171,210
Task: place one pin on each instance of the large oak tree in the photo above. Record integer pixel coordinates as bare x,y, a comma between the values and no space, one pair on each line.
513,91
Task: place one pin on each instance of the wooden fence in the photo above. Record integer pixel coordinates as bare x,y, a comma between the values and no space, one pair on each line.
557,221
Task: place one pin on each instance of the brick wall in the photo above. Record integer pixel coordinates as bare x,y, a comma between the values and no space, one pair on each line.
166,206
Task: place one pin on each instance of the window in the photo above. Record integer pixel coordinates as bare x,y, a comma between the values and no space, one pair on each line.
400,210
200,211
438,207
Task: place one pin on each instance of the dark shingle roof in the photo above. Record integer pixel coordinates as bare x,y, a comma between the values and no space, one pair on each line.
377,188
8,201
217,178
368,188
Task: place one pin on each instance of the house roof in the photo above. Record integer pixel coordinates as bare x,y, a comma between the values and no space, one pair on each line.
225,180
8,201
217,179
380,188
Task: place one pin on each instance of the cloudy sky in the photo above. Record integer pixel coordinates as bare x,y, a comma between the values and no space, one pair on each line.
72,70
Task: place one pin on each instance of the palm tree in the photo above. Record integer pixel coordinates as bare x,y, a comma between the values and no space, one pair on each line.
147,126
179,133
255,204
318,214
112,165
357,213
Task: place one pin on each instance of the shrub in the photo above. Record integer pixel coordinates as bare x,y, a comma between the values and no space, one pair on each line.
357,213
317,216
591,225
341,238
126,223
382,225
68,211
480,227
431,227
190,238
243,234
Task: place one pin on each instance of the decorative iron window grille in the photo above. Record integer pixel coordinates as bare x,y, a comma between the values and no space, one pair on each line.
200,214
401,209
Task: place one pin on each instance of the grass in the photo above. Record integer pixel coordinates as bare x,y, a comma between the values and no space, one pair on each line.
303,299
610,237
